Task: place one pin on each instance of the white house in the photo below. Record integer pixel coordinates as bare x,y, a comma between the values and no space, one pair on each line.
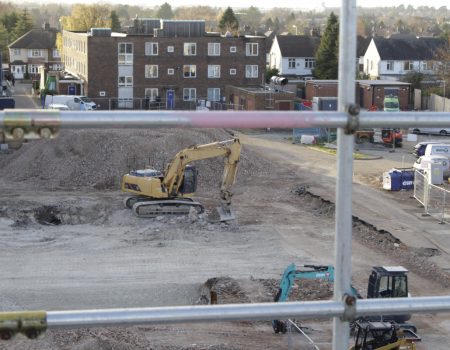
33,51
393,58
293,55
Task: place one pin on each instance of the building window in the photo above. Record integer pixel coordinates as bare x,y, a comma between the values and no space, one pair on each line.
251,71
33,68
213,94
125,53
190,71
151,71
251,49
151,49
189,94
213,49
390,65
35,53
170,71
233,49
56,53
291,63
213,71
169,48
424,65
310,63
151,94
125,81
16,51
57,66
232,71
409,65
190,49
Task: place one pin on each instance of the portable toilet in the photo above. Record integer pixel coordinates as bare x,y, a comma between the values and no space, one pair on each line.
435,174
392,180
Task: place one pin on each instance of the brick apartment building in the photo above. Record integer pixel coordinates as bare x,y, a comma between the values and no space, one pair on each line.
165,62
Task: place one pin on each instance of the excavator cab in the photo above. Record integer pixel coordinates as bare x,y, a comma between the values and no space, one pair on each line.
189,184
389,282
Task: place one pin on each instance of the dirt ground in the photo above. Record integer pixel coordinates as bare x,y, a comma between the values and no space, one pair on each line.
67,242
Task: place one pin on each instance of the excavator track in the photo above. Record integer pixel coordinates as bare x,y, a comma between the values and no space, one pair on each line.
153,208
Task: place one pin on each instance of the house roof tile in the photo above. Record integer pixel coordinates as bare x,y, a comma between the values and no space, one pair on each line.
297,45
36,39
408,48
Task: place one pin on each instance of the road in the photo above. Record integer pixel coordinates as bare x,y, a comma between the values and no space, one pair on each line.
22,95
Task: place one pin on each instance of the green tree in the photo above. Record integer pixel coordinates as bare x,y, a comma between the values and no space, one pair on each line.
228,21
269,24
165,11
9,21
328,52
23,25
115,23
252,17
85,17
270,72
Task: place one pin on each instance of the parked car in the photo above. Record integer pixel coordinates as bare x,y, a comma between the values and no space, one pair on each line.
431,131
419,149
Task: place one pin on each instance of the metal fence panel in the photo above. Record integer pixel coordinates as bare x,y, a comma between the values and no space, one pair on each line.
420,187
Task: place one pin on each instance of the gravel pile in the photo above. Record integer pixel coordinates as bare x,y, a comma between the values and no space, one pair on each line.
99,158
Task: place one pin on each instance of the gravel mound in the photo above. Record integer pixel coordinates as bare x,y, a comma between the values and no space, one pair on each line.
99,158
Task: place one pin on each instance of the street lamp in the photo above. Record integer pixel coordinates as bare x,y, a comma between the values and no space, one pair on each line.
294,26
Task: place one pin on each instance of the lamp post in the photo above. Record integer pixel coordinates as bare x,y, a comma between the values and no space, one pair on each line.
294,26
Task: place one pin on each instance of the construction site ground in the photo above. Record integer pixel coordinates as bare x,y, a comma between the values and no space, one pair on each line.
67,243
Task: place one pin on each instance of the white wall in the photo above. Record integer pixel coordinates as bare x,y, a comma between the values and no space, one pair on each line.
371,60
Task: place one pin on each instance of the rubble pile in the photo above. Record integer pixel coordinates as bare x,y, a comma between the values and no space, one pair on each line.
99,158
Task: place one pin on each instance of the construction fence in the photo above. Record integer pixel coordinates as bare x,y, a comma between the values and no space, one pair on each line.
435,199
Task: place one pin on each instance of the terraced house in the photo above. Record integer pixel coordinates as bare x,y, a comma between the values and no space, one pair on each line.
163,63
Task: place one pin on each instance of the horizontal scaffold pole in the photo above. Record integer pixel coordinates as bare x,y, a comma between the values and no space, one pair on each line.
217,119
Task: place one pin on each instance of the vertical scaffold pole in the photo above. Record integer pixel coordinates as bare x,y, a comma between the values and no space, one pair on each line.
343,223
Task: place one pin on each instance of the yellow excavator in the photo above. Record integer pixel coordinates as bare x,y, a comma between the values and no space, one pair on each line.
169,192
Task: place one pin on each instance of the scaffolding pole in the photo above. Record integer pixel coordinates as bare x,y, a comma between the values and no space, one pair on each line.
344,181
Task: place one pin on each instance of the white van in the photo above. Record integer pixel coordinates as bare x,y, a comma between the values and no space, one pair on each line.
422,163
74,102
440,149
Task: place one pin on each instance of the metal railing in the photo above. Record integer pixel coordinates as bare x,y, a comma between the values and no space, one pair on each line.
19,124
435,199
438,205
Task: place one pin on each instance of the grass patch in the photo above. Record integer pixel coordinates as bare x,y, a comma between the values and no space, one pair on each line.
333,151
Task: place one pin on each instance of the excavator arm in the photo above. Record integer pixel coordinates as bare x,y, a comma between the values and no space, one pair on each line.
230,150
290,275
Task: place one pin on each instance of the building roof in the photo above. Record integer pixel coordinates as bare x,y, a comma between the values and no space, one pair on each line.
297,45
361,45
408,48
36,39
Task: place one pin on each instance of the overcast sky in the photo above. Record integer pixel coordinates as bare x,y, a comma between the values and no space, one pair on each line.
266,4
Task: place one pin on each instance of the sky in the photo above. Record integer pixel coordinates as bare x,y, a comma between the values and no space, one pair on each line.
263,4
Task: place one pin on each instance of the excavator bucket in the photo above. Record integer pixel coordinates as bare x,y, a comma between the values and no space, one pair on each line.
226,213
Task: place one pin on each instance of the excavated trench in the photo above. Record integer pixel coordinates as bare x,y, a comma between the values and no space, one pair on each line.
28,213
414,259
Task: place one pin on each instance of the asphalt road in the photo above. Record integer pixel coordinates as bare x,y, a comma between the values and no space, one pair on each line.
22,95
